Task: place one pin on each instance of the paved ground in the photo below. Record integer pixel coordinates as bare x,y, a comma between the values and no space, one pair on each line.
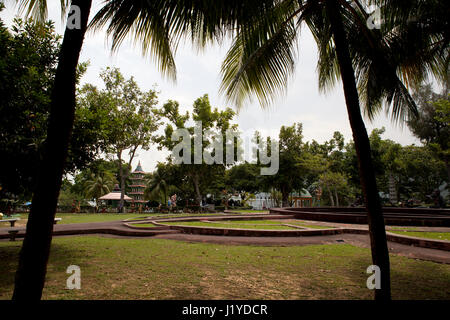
118,229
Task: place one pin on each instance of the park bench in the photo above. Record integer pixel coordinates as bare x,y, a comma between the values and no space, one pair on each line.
57,220
11,221
12,234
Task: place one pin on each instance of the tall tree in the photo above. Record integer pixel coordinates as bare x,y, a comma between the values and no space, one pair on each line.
263,55
291,174
432,125
30,276
209,139
133,119
28,58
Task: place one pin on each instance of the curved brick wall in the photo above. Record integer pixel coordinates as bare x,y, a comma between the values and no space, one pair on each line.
392,216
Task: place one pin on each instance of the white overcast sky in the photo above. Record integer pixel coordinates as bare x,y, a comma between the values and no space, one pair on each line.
198,74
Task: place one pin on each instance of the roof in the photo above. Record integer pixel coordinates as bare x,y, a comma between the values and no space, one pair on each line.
139,168
114,195
302,194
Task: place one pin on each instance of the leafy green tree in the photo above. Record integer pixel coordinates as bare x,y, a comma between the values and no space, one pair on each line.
419,173
432,125
28,57
335,186
127,116
291,174
157,41
244,177
67,197
214,124
176,181
28,70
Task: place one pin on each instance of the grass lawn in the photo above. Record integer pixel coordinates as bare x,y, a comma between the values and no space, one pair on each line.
277,222
99,217
250,211
253,221
430,235
83,217
114,268
230,225
306,225
146,225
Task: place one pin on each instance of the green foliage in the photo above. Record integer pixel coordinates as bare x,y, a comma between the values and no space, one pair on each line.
28,56
99,185
28,59
291,174
157,188
243,177
203,177
124,115
432,125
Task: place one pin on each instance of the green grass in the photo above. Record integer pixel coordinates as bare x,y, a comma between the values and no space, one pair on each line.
311,226
250,211
114,268
231,225
68,218
144,225
398,228
263,222
428,235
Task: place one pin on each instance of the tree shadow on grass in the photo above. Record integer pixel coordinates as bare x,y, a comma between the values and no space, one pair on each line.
411,279
63,254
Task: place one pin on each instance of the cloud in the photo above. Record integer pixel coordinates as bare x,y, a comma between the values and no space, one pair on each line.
198,73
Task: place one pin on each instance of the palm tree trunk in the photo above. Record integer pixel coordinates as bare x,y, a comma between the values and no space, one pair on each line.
30,275
380,253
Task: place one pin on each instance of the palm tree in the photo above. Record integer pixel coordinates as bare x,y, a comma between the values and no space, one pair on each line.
98,185
157,187
260,61
262,57
30,275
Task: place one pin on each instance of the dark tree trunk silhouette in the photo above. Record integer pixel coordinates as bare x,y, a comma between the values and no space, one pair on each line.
122,183
30,275
378,241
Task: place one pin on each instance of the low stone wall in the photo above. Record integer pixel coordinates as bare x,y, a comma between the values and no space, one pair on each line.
392,216
212,231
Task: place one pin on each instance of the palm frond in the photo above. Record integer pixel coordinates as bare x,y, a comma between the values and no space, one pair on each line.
37,9
262,56
145,21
